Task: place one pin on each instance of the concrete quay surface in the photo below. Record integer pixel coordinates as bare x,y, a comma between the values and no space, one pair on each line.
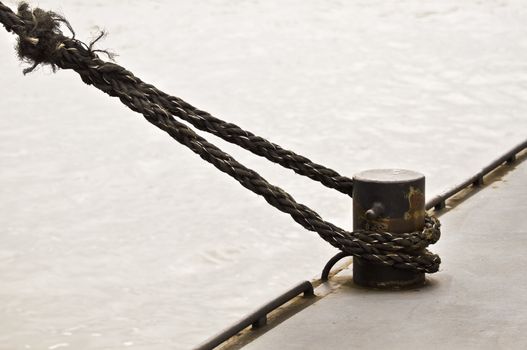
478,299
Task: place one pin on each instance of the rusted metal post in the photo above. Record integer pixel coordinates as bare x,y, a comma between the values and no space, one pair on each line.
394,200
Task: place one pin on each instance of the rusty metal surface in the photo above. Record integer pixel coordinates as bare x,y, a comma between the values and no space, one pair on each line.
391,200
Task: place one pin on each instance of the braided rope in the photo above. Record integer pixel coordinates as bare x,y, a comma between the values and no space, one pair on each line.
206,122
42,42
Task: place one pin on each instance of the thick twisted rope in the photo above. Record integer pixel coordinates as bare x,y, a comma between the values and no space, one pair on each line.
42,42
181,109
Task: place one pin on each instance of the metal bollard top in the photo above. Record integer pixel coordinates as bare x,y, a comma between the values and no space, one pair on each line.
388,176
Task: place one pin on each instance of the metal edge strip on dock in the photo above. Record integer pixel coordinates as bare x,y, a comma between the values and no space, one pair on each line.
438,202
259,317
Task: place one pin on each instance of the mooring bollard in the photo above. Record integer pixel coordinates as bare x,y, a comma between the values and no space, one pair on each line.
394,201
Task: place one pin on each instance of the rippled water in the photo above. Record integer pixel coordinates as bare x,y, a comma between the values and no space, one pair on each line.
113,235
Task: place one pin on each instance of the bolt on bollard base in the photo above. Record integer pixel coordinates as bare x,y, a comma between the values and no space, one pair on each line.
392,200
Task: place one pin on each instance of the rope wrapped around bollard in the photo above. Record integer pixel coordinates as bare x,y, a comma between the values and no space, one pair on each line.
41,41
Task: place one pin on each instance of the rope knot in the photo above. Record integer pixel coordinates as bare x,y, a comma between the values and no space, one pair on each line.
40,36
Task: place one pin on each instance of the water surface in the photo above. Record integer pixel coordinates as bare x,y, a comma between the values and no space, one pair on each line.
113,235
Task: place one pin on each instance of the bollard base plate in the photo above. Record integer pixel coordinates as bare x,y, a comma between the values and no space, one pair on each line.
372,275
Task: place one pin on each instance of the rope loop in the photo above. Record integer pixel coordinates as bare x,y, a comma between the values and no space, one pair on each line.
401,250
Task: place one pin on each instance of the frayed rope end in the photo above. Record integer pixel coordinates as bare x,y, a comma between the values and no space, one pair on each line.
42,38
